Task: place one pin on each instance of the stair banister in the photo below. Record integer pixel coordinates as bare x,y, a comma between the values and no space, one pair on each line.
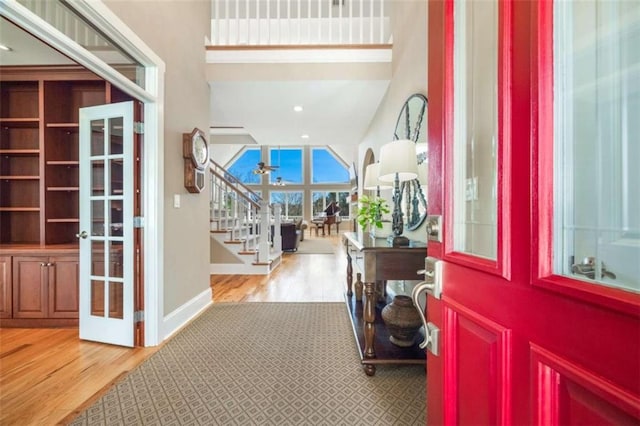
277,238
263,244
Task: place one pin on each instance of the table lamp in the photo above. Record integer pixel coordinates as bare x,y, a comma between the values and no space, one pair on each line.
398,163
372,181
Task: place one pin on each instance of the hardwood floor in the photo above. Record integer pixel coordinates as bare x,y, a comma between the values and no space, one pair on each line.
46,375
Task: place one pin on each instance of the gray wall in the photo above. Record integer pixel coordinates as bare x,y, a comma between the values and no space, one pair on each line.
175,31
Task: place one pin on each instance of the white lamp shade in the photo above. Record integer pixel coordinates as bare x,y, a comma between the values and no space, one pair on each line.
398,157
371,180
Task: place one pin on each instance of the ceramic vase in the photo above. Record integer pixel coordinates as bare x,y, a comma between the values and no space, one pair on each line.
402,320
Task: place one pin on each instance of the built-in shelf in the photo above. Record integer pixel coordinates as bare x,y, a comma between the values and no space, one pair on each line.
63,188
19,122
63,163
19,209
70,126
20,151
64,220
19,177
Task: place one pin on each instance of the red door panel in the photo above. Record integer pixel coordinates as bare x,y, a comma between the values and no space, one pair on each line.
519,345
478,382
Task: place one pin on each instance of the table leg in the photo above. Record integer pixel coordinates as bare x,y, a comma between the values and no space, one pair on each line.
369,316
349,271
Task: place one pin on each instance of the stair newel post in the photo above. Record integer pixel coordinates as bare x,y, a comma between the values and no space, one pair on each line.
277,239
255,225
263,245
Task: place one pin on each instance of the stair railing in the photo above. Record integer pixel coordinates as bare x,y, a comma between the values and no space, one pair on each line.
236,208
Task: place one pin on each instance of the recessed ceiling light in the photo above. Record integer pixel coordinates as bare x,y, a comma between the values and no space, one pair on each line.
5,48
305,136
297,108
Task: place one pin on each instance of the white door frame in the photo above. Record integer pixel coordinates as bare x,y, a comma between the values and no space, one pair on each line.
106,21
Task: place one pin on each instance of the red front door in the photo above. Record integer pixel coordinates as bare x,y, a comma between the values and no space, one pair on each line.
533,151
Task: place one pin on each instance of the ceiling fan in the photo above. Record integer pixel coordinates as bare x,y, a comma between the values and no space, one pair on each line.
263,169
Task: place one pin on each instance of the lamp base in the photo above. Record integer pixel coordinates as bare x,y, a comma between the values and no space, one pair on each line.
398,241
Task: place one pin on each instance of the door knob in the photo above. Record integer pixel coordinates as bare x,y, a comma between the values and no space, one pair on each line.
82,235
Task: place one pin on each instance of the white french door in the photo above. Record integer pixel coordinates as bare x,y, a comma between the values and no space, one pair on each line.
106,224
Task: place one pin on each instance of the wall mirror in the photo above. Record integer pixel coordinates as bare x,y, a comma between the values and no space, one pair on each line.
412,125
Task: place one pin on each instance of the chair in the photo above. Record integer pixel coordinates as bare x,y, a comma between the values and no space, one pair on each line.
290,236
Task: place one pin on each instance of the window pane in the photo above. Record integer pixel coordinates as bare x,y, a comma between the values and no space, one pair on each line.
596,176
317,199
243,166
475,127
326,168
291,202
289,162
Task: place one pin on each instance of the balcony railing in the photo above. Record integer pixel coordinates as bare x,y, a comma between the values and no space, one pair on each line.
300,22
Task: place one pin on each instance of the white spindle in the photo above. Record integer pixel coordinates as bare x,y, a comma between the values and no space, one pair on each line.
361,21
289,21
350,22
308,21
248,21
237,21
340,6
381,21
330,18
299,22
319,20
268,22
278,22
371,16
227,20
258,24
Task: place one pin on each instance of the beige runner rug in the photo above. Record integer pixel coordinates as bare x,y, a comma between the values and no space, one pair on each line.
263,364
315,246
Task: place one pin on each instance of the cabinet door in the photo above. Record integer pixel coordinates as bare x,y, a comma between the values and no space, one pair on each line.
63,286
30,287
5,287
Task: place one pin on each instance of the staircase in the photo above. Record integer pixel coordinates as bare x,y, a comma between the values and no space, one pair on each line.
240,227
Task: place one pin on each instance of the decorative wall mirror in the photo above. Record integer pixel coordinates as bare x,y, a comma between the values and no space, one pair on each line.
412,125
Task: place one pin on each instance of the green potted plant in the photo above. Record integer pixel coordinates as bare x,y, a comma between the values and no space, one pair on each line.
371,211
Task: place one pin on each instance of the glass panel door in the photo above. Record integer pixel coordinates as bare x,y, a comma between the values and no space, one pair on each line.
106,221
475,128
597,123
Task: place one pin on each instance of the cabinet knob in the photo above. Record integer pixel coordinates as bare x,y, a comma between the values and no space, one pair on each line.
82,235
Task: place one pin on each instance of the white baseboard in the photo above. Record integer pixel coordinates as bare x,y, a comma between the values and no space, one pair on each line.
185,313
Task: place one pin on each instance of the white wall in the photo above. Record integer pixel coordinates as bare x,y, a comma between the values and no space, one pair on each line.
409,76
175,31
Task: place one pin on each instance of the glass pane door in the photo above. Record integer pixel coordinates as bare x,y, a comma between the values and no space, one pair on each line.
475,128
106,261
597,116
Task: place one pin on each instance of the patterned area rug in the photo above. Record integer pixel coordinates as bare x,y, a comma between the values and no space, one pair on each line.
311,246
263,364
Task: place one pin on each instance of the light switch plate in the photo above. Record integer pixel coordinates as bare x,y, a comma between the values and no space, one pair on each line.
176,201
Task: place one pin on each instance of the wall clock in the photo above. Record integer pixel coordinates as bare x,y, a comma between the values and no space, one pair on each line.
411,125
195,152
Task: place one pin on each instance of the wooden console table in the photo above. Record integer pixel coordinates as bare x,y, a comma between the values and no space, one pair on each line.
378,262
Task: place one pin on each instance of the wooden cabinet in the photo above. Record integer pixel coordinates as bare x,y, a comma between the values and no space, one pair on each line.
45,287
5,287
39,190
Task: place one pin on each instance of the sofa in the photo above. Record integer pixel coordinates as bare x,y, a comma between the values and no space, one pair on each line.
290,236
301,225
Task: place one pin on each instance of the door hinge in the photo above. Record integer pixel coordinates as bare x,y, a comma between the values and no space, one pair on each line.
138,222
138,127
138,316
